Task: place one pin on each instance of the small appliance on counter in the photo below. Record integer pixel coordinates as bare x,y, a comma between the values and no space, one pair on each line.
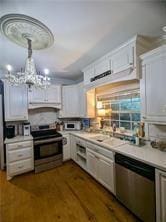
86,123
26,129
72,125
10,131
160,144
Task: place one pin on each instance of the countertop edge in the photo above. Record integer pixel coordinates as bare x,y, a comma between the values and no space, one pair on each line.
115,150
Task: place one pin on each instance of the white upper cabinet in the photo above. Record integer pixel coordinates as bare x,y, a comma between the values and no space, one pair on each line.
152,86
90,103
123,59
89,73
16,103
102,66
70,101
36,95
73,101
123,62
53,94
50,96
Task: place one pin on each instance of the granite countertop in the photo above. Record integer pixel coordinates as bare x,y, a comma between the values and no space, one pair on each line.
146,153
18,139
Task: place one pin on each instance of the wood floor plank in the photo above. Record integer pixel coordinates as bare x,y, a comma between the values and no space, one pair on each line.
64,194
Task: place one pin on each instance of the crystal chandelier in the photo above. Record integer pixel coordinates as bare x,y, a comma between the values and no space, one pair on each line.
29,76
29,33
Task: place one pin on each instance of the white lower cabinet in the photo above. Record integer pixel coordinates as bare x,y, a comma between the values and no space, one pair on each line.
96,160
19,158
101,168
106,172
66,147
160,196
73,147
92,164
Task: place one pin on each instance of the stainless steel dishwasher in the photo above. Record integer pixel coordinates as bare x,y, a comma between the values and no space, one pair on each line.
135,187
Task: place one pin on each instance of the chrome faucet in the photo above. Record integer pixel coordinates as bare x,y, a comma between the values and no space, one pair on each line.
113,129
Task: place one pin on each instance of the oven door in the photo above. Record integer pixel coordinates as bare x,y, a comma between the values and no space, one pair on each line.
46,148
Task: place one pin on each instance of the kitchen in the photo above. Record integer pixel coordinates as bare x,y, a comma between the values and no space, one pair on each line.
82,111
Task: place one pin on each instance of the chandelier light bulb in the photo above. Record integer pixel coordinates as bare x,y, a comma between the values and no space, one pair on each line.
9,68
46,71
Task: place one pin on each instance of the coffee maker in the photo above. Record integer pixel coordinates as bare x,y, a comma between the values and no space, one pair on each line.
26,129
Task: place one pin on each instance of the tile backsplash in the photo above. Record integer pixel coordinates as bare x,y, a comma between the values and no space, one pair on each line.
42,116
156,131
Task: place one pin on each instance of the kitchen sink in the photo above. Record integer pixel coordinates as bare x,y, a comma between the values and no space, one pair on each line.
101,138
112,141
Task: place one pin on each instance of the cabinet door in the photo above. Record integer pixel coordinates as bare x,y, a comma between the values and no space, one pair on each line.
90,103
36,95
163,198
53,94
66,148
102,66
88,74
73,147
152,90
16,102
92,164
106,173
82,100
122,59
70,102
160,196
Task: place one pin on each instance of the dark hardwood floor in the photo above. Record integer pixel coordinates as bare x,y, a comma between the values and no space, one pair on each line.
64,194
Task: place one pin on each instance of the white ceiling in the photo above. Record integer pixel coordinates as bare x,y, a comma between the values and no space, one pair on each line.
83,30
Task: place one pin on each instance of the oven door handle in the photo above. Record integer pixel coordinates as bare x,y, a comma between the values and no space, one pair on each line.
37,142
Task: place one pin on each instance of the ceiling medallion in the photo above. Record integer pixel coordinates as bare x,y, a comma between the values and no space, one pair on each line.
28,33
19,27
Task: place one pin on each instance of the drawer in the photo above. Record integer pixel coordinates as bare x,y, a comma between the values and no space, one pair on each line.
15,155
20,166
20,145
100,150
80,142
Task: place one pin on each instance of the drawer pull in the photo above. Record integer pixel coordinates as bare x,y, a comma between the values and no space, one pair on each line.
20,146
20,167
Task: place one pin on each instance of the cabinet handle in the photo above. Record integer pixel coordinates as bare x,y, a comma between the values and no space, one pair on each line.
144,117
20,167
20,146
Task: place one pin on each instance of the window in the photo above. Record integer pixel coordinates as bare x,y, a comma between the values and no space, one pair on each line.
123,110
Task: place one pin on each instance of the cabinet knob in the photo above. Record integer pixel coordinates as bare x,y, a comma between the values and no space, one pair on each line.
144,117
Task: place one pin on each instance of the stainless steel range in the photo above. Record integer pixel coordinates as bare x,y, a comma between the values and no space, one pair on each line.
47,147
